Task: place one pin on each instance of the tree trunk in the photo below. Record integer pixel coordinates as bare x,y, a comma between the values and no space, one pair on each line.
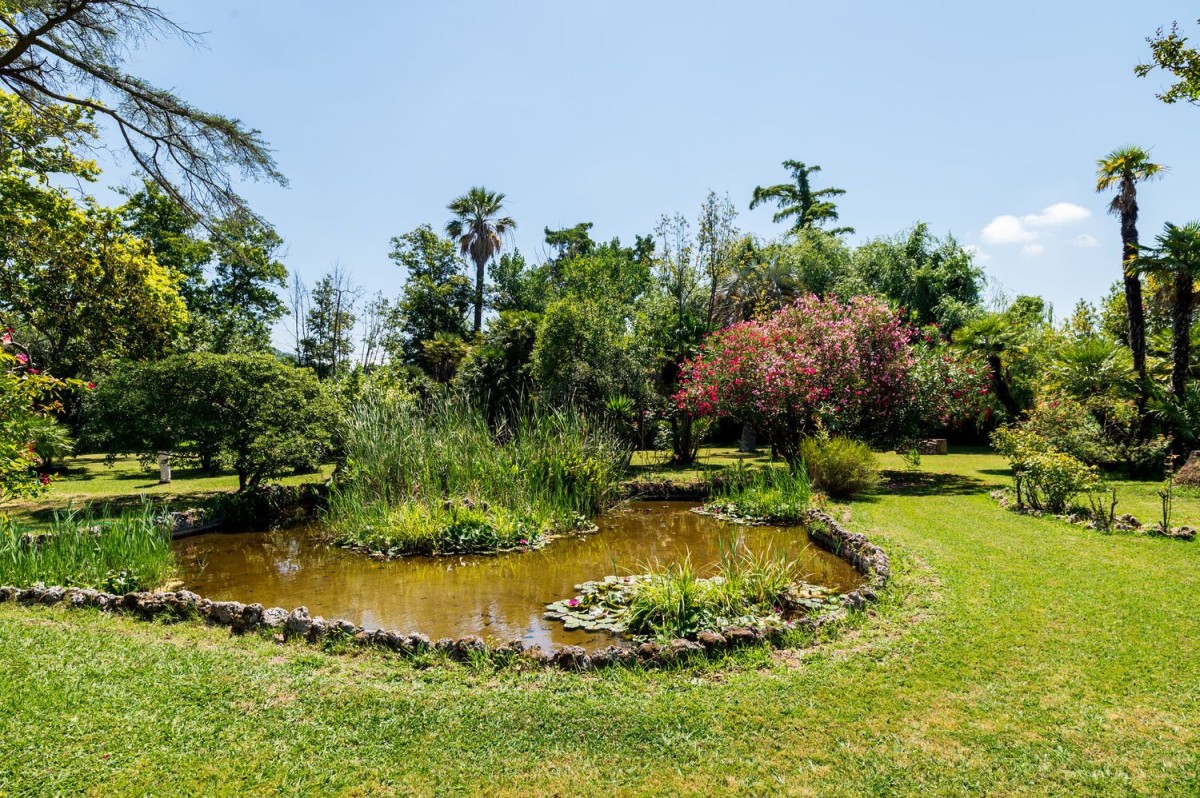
1181,353
1133,288
1000,387
478,296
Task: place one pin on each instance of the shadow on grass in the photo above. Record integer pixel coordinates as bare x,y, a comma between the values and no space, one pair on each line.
923,483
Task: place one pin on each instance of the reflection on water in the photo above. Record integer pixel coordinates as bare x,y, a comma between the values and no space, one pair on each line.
498,596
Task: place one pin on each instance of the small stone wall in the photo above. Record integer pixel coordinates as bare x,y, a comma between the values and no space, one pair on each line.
866,557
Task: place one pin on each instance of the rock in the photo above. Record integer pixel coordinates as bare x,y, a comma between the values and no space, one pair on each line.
571,658
364,638
8,593
444,645
298,623
249,618
52,595
513,648
393,641
647,652
417,642
319,629
274,617
343,627
464,647
537,655
739,636
148,604
680,650
225,612
712,641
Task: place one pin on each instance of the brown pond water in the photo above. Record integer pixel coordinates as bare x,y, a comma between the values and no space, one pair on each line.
498,596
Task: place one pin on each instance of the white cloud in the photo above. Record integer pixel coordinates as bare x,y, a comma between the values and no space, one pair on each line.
1056,214
1010,229
1033,249
1007,229
1086,240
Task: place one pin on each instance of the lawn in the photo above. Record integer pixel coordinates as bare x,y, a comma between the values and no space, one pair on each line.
91,479
1014,656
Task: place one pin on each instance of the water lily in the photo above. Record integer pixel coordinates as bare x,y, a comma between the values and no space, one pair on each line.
573,602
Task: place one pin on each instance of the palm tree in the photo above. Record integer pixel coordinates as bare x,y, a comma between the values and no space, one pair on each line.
798,201
1177,255
1123,169
993,337
479,229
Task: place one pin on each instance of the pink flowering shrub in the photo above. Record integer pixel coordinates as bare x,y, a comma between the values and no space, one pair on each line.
847,368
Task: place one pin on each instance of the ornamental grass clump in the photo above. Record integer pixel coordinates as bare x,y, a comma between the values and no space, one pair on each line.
126,553
840,467
442,479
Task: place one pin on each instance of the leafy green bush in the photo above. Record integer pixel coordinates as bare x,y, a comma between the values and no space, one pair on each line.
779,495
442,479
122,554
1044,477
841,467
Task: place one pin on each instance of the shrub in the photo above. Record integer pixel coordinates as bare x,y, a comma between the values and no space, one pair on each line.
841,467
817,364
127,553
1044,477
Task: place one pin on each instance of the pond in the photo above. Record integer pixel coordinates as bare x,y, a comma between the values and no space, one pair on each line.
499,596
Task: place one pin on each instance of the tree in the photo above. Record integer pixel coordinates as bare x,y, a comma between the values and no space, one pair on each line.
1170,53
1176,256
81,288
377,315
436,293
330,323
498,373
1122,169
73,280
479,229
240,304
716,249
153,216
934,281
798,201
516,286
817,365
259,415
51,48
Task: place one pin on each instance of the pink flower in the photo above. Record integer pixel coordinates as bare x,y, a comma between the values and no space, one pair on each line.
573,602
22,357
35,371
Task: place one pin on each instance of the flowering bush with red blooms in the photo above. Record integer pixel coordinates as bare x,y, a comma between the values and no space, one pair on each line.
948,389
846,368
29,401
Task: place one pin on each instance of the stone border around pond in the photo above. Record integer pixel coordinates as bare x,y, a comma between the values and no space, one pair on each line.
867,558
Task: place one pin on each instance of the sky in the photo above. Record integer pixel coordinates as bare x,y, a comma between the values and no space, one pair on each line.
983,119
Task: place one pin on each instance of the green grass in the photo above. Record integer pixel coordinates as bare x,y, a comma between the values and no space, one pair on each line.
1014,656
90,480
121,554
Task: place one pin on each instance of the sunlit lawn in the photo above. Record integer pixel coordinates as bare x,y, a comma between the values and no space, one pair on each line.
90,479
1013,656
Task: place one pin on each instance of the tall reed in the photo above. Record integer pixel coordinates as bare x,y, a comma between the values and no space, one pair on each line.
765,494
443,479
129,552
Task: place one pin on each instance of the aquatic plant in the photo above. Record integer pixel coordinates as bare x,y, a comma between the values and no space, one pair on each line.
744,589
442,479
763,495
124,553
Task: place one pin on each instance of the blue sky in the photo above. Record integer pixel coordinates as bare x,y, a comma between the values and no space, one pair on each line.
983,119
